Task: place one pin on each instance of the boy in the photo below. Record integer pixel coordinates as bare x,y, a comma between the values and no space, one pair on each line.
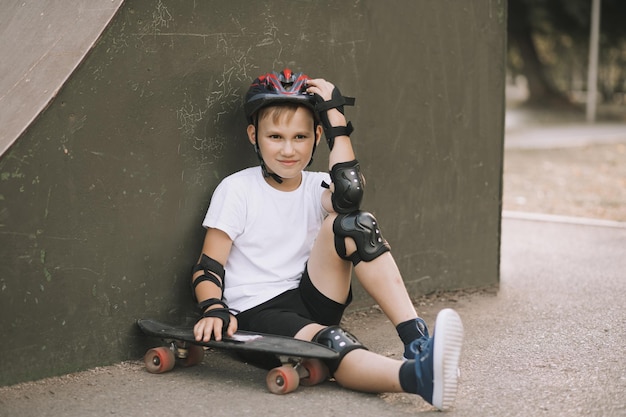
289,245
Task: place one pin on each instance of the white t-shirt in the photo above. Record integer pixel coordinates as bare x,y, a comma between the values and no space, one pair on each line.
272,232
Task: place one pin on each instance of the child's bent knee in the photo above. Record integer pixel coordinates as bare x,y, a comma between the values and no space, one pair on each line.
362,227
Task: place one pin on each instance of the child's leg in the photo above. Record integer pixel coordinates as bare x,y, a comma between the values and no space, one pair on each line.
433,372
383,282
381,374
362,370
380,277
329,273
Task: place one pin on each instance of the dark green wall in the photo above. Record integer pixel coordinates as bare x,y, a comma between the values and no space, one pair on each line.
102,198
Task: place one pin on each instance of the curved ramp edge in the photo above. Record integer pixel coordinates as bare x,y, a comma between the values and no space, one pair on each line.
41,44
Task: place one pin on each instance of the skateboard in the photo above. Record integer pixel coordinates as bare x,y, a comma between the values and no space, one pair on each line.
302,362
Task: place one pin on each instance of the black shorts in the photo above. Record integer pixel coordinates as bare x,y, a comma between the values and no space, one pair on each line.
292,310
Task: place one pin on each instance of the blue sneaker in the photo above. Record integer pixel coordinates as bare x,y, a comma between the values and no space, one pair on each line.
437,360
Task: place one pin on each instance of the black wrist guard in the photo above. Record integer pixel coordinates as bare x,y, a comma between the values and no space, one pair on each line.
223,314
337,101
213,272
203,305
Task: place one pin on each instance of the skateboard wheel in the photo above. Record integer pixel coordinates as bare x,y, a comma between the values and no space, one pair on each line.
159,360
195,355
282,380
316,371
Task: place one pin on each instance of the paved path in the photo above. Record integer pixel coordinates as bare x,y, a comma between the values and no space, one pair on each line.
526,130
553,341
564,136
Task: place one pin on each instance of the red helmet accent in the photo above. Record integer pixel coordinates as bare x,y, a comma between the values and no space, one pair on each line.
274,87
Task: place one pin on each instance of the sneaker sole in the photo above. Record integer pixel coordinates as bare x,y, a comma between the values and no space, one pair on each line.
447,353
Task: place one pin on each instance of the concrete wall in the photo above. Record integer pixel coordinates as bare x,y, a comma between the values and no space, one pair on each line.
101,199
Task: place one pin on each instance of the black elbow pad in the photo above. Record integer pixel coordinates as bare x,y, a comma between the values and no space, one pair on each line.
349,184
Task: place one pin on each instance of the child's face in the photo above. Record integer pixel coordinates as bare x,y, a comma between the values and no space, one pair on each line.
286,142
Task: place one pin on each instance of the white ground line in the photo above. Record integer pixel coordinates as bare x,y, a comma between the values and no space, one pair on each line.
583,221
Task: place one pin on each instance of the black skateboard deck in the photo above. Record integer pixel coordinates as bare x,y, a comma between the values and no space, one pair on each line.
241,341
302,360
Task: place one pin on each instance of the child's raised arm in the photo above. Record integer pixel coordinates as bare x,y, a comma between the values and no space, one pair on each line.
341,150
348,183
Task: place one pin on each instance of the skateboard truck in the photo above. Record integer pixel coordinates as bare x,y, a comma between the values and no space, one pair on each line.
163,358
286,378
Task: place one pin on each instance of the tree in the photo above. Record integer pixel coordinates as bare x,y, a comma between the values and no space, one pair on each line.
548,44
521,29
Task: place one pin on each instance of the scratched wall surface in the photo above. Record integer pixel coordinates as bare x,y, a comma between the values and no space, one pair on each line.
102,198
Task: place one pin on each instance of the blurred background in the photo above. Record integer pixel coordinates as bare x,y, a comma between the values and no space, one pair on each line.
548,53
557,160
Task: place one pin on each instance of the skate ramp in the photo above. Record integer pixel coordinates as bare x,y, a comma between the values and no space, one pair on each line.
41,43
102,196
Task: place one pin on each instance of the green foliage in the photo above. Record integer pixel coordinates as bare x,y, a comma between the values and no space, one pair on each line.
549,43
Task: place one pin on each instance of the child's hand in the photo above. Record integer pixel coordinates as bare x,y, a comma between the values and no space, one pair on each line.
325,90
320,87
212,327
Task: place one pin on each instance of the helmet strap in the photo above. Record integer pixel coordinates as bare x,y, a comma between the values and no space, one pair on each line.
266,173
315,124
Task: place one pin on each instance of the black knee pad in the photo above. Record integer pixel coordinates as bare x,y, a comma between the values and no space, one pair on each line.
363,228
338,340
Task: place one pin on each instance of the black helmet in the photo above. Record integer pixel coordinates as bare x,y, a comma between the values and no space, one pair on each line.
274,87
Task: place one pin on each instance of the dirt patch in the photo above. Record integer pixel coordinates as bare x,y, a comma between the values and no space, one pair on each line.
584,182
